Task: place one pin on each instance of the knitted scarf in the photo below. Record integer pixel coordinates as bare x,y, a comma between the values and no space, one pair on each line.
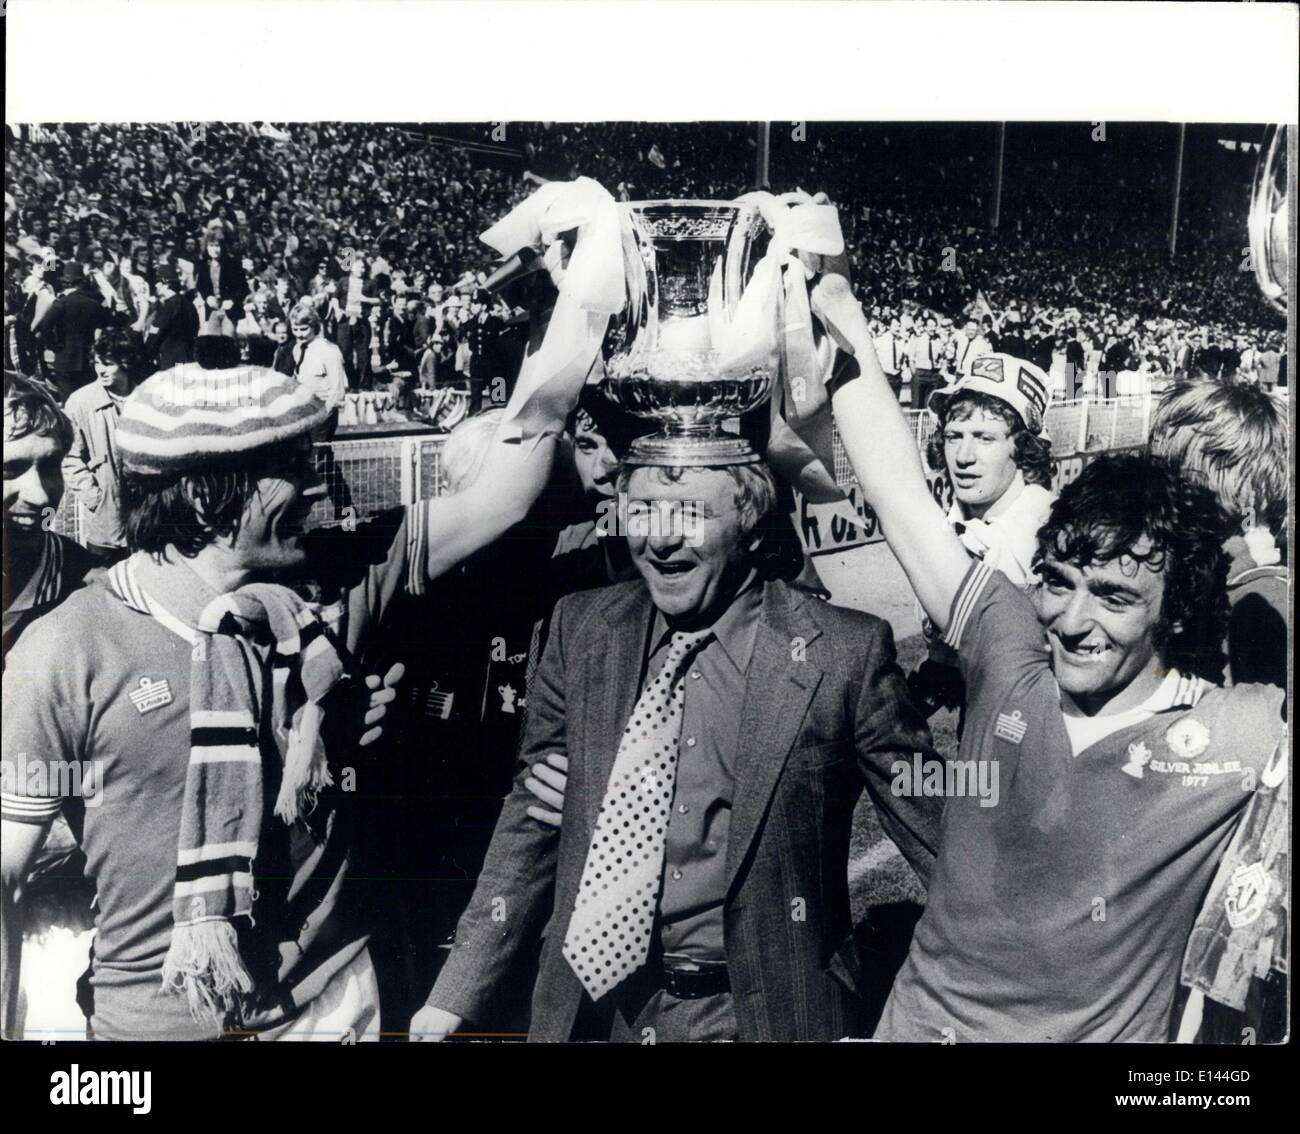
223,808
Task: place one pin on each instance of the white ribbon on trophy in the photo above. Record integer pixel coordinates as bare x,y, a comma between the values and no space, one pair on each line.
587,270
774,317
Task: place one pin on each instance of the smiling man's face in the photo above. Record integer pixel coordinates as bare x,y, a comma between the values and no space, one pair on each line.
1102,622
693,564
33,485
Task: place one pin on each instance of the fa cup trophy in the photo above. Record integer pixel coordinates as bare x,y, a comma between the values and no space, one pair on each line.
670,355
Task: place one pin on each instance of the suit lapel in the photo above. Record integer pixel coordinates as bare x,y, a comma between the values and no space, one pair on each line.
628,615
778,691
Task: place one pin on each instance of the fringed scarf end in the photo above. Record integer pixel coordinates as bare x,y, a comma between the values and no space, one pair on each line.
306,772
203,962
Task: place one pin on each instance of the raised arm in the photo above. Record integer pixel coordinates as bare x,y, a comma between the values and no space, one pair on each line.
885,459
513,475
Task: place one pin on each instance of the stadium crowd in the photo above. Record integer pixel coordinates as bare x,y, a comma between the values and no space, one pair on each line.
376,228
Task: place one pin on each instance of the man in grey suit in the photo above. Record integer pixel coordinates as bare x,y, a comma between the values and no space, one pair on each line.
719,725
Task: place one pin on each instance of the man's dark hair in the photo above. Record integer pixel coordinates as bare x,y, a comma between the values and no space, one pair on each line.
1122,502
116,345
190,510
33,409
1033,454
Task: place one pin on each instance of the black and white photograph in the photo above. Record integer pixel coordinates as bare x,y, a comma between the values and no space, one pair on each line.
648,578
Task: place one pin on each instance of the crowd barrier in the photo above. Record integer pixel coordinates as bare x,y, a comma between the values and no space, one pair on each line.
369,475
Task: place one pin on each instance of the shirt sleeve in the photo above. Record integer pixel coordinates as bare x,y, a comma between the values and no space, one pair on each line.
336,380
393,551
993,626
42,733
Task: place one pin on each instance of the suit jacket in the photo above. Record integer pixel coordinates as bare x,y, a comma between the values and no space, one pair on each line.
826,708
234,285
176,326
69,330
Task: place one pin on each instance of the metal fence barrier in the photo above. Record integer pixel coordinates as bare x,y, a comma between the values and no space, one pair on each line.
368,476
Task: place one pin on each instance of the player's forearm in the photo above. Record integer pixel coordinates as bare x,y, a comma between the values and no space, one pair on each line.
887,463
11,951
513,476
880,444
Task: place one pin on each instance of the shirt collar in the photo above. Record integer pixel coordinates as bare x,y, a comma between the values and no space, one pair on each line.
1007,500
1178,690
103,399
736,629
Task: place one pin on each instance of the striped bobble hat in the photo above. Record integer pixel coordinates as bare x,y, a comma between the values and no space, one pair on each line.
188,416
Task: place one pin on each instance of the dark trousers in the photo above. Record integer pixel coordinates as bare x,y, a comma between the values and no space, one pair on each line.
895,383
924,383
354,342
645,1013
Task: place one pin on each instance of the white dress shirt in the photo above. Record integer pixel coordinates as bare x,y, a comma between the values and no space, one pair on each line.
319,367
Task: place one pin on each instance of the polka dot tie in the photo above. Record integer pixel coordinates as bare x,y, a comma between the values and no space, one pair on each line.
609,933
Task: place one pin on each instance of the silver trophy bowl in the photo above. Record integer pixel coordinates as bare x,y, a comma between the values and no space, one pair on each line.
661,362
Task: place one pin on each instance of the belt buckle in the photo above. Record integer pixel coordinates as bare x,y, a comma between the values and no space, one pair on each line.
692,984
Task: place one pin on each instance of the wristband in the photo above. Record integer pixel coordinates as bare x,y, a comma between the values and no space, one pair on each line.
845,370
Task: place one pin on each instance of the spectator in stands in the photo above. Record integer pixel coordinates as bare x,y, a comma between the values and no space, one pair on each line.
38,291
968,346
174,325
69,327
428,367
317,365
223,288
1208,360
357,296
284,345
924,353
92,468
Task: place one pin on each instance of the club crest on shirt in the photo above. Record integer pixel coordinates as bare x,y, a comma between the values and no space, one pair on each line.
151,694
1187,738
1011,726
1139,756
1248,891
